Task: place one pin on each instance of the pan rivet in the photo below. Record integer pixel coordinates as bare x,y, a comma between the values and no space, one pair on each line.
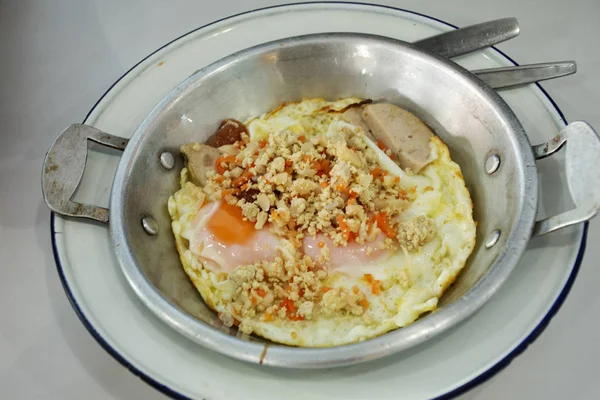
150,225
167,160
492,238
492,164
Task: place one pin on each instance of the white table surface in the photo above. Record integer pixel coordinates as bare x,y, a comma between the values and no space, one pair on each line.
58,57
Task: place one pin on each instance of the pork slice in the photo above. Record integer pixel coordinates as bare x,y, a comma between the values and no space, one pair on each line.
200,159
353,116
402,132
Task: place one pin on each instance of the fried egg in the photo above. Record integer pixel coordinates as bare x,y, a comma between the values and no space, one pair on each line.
213,239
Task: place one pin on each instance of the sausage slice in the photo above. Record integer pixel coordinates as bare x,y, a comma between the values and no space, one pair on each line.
200,159
402,132
353,116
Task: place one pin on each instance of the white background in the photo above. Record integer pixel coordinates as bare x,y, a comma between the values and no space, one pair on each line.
57,57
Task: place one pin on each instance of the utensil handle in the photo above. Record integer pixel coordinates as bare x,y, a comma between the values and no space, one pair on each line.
583,175
63,169
509,77
470,38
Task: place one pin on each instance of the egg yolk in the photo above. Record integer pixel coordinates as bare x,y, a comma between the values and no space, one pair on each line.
228,225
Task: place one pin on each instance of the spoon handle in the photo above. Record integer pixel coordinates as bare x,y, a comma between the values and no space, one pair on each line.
470,38
508,77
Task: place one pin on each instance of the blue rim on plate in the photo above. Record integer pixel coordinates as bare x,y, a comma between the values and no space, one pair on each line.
499,366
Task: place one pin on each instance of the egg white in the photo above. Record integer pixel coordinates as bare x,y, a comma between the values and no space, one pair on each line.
413,282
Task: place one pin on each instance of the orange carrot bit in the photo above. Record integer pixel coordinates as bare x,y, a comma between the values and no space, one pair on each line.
226,192
321,166
219,178
261,292
341,223
375,172
384,225
224,159
254,301
307,157
355,289
325,167
289,167
243,178
352,198
397,179
302,138
289,305
321,245
267,317
348,235
324,184
383,174
375,284
325,289
343,187
364,303
381,145
220,169
375,288
262,144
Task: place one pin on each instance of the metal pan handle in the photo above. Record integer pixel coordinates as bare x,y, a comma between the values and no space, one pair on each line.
583,175
63,169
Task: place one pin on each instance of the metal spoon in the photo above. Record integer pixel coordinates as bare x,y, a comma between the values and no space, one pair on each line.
479,36
470,38
510,77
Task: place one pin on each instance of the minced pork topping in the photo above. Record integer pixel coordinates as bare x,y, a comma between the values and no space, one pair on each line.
304,186
299,186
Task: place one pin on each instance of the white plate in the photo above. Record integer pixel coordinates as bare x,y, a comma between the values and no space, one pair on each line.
445,365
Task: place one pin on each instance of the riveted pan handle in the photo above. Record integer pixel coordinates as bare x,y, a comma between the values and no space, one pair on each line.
583,174
64,166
